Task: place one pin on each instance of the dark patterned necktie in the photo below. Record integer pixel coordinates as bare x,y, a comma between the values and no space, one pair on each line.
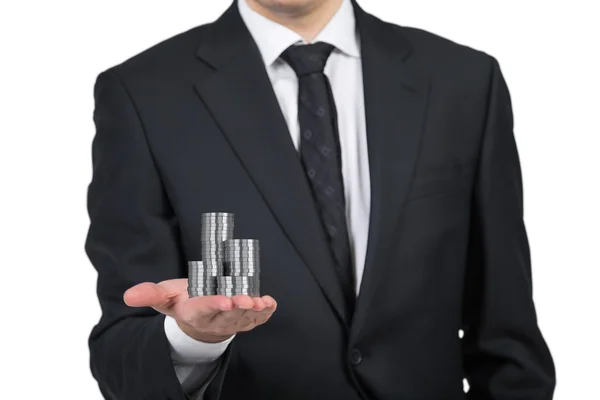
320,152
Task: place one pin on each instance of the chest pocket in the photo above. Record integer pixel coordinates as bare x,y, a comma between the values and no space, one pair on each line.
439,178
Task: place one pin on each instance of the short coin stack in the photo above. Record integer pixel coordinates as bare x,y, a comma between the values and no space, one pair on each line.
229,266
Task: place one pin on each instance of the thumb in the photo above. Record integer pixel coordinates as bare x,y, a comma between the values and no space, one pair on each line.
150,294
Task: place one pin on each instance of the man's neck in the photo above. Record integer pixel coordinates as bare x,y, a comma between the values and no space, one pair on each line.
306,22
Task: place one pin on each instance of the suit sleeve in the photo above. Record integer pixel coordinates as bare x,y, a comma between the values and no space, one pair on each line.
133,238
505,355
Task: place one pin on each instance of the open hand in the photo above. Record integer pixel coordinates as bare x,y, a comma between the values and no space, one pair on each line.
209,319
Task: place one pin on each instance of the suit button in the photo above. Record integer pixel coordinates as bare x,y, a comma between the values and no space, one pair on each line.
355,357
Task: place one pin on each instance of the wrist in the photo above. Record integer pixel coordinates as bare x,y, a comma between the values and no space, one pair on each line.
201,336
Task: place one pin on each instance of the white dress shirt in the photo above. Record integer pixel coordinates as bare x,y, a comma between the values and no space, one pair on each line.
194,361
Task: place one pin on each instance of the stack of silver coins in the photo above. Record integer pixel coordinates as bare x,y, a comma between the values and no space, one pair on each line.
229,266
242,268
200,281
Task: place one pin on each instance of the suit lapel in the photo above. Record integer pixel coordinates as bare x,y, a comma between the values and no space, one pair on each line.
395,105
239,95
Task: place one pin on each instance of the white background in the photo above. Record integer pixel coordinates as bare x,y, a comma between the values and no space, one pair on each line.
51,53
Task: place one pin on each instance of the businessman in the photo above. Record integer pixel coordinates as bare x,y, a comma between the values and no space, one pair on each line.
377,166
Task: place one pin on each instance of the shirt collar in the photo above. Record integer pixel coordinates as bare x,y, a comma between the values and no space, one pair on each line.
273,39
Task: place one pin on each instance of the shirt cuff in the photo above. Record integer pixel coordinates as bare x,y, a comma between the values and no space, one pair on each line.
189,351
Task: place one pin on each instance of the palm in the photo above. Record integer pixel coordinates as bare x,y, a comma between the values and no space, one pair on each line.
213,315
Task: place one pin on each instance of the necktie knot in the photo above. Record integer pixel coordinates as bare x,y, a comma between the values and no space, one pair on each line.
307,59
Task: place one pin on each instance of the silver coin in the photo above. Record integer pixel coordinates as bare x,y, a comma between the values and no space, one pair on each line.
194,263
202,293
221,223
241,257
242,286
249,266
238,262
235,293
229,279
242,267
244,241
241,249
239,278
202,274
245,250
231,293
239,285
208,274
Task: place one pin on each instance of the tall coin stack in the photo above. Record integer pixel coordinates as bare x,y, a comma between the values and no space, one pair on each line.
229,266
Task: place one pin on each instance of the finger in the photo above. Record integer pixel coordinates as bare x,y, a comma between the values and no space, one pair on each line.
149,294
259,304
243,302
269,302
175,285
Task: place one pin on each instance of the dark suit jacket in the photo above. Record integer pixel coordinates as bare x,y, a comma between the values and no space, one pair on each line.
192,125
